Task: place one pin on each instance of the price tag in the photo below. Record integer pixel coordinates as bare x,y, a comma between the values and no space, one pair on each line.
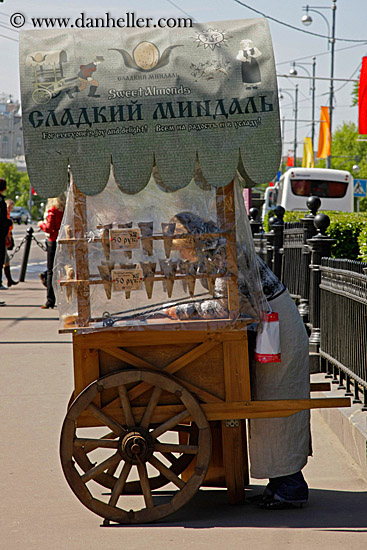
127,279
124,239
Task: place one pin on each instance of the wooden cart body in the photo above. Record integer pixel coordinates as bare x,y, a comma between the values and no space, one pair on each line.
134,380
211,362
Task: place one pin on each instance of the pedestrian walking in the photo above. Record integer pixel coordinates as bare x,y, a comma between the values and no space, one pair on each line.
5,224
9,245
55,211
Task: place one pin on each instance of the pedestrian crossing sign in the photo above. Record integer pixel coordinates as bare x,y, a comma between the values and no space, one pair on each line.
360,188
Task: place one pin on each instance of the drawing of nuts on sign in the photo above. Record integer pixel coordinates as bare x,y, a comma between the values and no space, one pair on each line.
146,57
210,69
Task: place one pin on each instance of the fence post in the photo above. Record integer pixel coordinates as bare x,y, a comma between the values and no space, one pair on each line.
277,228
254,224
309,231
27,248
320,247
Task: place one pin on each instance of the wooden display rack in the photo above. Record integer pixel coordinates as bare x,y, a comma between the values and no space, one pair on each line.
140,383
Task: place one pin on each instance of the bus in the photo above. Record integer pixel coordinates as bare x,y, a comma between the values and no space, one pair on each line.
334,187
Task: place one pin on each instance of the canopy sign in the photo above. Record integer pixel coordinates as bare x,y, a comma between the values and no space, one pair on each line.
135,97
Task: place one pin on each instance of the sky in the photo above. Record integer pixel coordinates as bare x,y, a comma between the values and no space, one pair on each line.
289,44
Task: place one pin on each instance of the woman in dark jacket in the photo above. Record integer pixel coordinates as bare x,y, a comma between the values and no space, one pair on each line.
5,224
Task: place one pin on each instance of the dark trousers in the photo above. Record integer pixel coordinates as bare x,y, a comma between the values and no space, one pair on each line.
51,249
2,254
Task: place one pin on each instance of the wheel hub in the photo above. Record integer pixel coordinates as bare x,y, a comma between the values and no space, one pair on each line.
136,445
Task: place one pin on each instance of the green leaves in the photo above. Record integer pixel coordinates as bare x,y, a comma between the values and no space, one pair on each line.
346,228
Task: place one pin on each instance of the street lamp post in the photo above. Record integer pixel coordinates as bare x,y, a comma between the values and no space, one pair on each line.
293,72
307,20
295,123
295,110
283,135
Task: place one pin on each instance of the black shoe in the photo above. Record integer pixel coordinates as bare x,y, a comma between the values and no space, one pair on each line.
47,306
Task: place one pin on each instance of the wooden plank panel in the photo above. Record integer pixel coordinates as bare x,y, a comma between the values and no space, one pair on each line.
236,370
127,357
234,461
237,388
86,368
226,214
122,337
227,411
81,256
174,366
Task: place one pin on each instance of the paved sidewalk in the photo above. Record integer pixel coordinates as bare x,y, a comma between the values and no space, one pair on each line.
38,510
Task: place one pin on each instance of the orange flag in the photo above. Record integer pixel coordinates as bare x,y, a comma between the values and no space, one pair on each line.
324,149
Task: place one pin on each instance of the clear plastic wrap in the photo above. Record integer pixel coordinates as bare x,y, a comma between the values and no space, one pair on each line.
156,258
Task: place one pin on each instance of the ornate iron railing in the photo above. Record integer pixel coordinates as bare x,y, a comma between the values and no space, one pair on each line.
343,325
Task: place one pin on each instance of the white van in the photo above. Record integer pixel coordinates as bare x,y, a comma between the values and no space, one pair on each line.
334,187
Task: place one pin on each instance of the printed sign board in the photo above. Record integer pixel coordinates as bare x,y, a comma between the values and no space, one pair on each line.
136,97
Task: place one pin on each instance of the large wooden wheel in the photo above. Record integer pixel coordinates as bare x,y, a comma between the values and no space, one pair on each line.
133,448
178,463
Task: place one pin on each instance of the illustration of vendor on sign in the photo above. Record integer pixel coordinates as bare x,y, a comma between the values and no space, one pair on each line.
86,76
250,67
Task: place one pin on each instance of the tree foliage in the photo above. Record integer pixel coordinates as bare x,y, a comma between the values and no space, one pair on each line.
345,228
18,185
345,144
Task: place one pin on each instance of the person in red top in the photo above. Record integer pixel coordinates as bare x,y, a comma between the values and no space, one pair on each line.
51,225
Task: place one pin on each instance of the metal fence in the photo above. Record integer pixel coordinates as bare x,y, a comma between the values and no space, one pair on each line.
343,325
331,295
292,264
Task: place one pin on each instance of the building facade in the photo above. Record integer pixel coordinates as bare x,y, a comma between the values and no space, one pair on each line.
11,134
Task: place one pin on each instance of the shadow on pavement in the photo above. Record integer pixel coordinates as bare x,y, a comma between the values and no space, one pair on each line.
326,510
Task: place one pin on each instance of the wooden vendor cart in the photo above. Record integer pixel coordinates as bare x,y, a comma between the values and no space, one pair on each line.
142,384
160,401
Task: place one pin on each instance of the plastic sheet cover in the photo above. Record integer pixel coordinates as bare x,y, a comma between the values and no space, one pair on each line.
156,258
140,97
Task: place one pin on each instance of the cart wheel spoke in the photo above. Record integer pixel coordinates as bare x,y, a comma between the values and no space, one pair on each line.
103,417
99,468
169,474
170,423
175,448
171,458
87,448
92,444
150,407
120,484
125,402
145,487
112,469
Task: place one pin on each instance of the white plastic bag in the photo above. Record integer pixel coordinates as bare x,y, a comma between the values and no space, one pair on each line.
267,349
